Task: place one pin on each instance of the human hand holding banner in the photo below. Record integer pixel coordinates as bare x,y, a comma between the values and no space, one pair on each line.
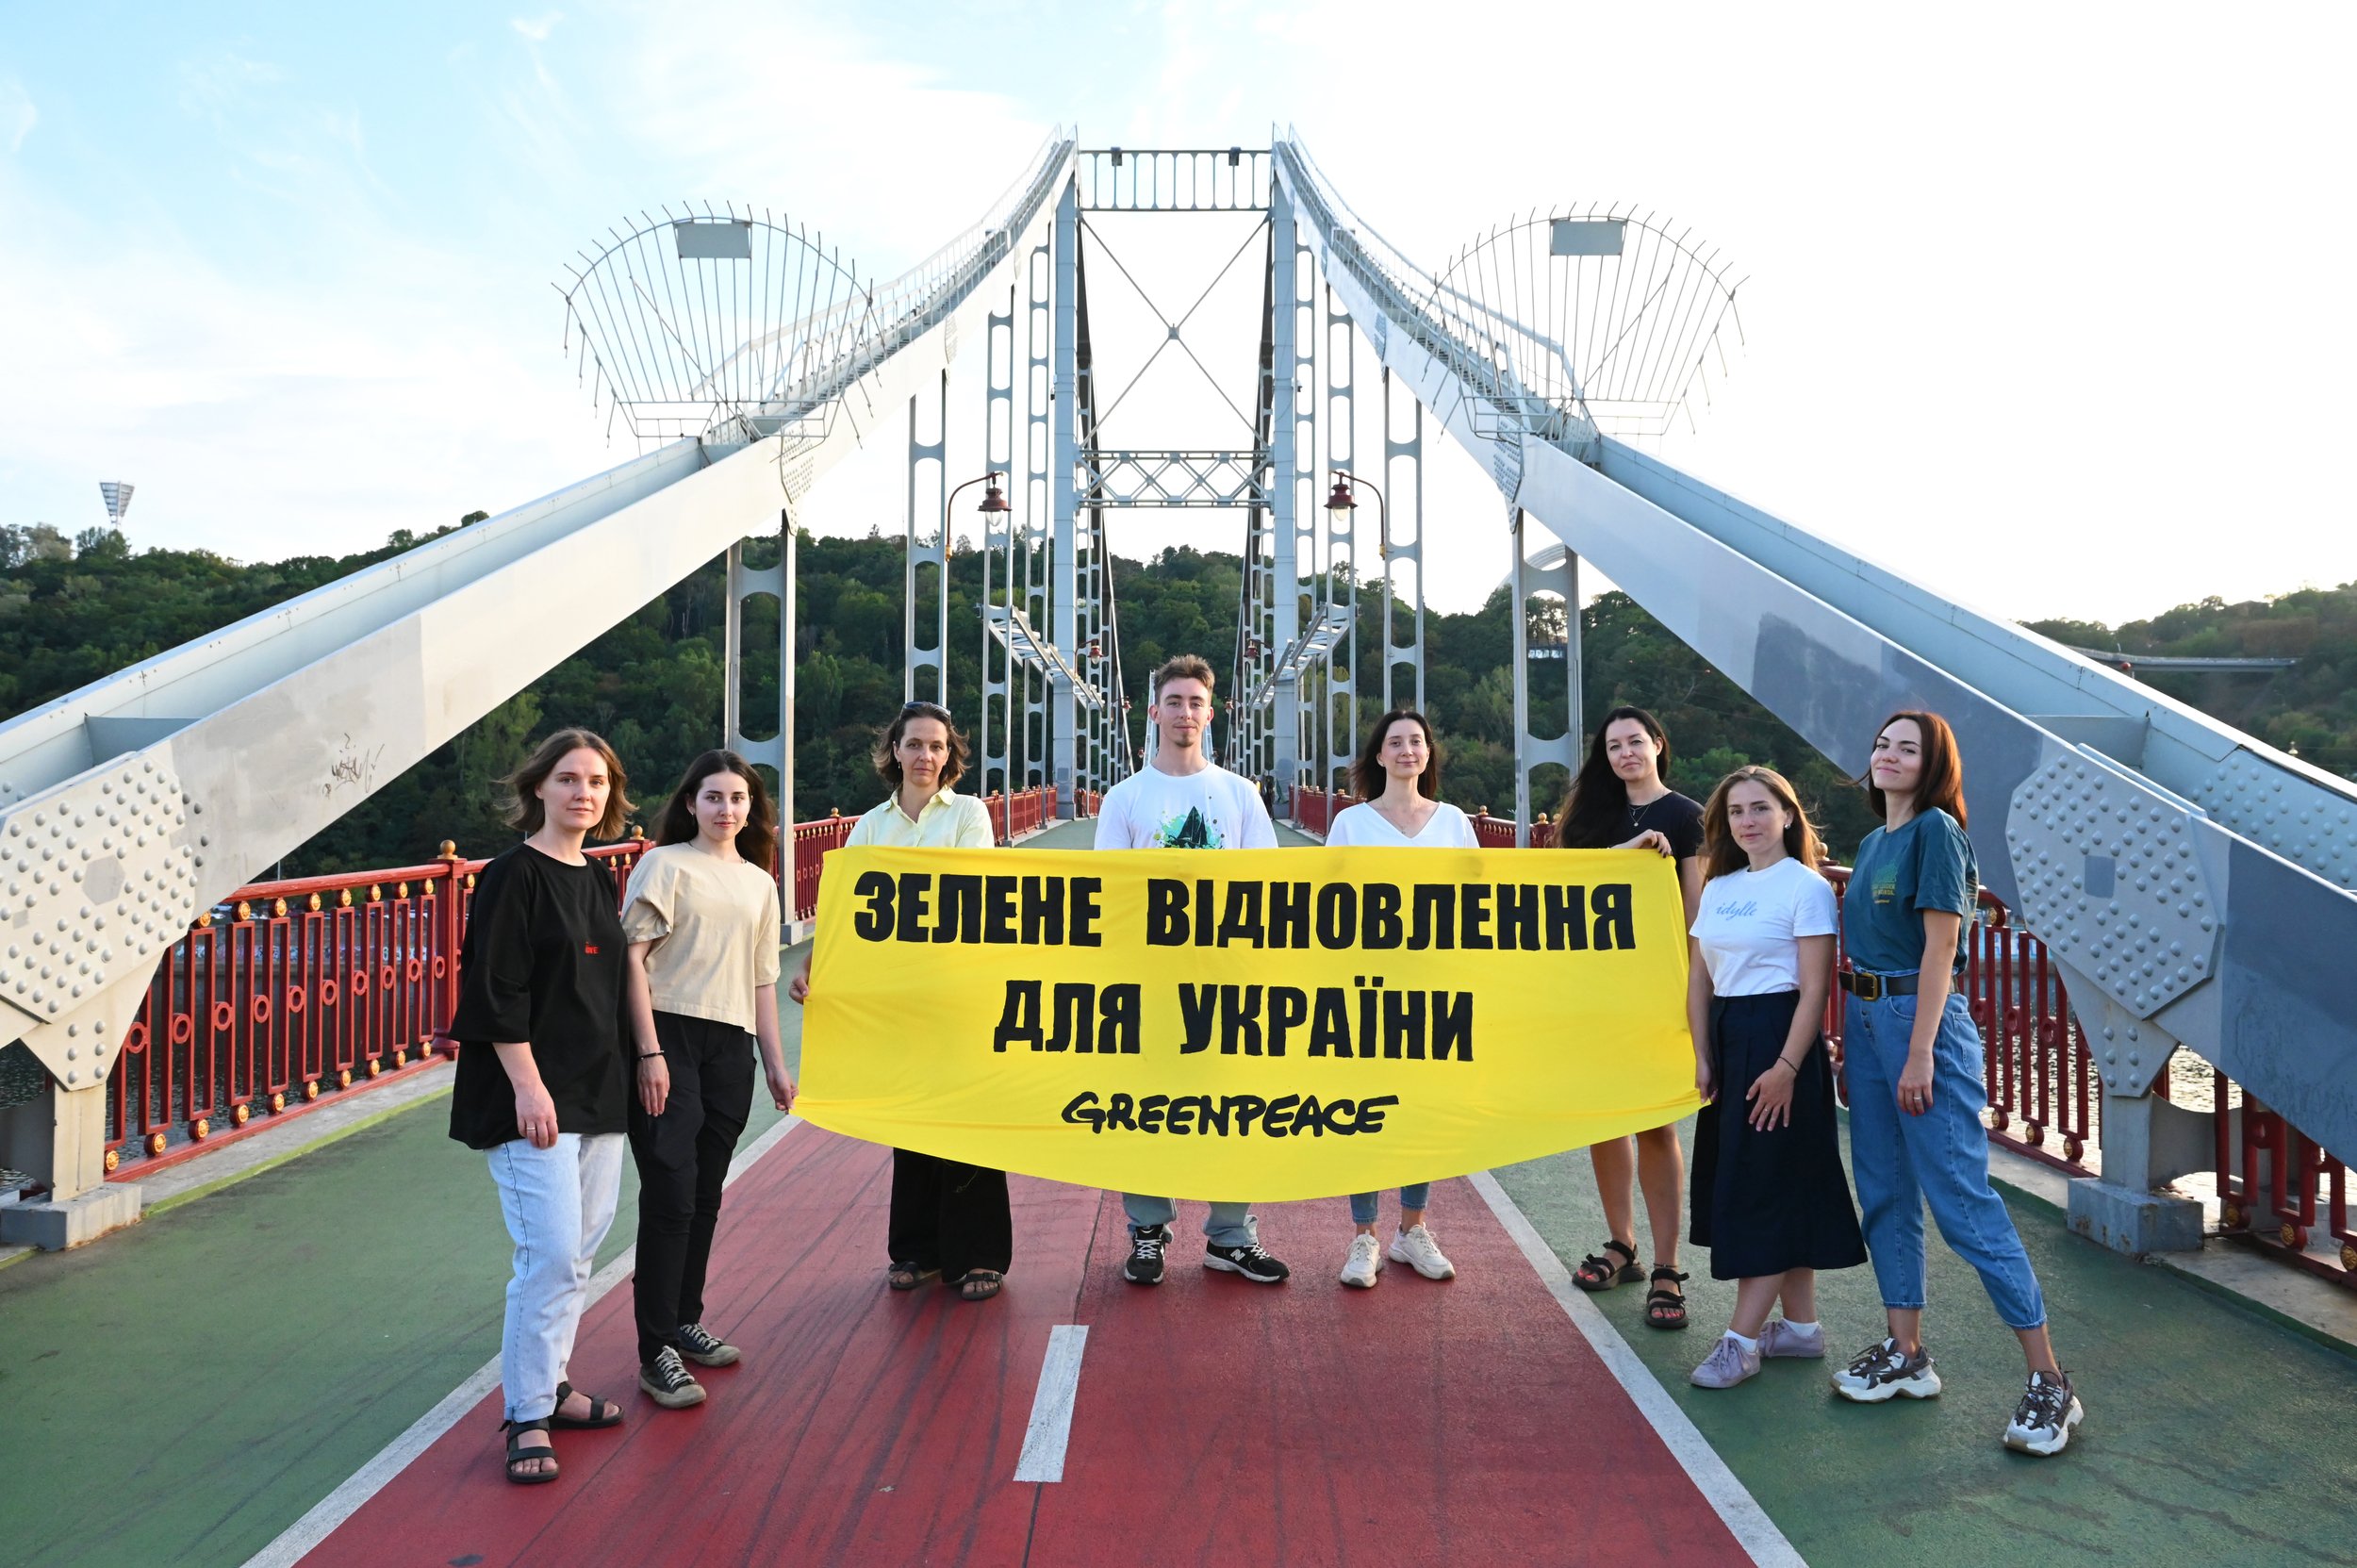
1263,1024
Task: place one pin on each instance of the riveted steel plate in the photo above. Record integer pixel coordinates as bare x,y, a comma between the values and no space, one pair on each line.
2108,877
96,881
2284,813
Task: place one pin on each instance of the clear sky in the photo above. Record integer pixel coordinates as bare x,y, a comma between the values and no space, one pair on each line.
2045,305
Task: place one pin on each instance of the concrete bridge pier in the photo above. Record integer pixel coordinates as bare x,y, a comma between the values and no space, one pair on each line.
59,1138
2147,1141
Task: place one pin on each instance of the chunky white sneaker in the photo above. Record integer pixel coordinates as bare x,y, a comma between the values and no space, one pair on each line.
1415,1247
2041,1423
1364,1262
1727,1365
1884,1371
1780,1338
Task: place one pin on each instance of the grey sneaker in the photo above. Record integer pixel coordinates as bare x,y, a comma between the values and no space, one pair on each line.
2041,1423
1727,1365
1883,1372
706,1349
1780,1338
667,1382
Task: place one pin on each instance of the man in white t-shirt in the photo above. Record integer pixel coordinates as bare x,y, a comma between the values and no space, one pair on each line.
1185,801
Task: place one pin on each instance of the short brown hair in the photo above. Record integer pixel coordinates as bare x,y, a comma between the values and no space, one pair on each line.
887,758
1185,667
757,840
1721,854
526,812
1942,781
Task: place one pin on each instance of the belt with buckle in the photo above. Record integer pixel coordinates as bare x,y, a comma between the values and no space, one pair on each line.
1867,987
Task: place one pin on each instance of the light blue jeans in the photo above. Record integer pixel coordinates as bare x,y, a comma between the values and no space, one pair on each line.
558,1203
1900,1163
1226,1225
1362,1204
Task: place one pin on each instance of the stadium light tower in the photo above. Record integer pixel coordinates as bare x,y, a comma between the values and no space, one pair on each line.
118,496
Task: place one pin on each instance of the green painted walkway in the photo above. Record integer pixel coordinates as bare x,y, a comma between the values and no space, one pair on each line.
184,1391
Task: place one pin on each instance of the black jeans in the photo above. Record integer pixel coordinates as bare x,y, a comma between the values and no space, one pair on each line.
950,1216
683,1158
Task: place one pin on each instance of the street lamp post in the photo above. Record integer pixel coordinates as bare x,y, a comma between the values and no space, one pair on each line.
1339,507
993,504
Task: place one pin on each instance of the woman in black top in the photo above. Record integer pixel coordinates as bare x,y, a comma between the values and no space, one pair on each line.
1618,801
540,1083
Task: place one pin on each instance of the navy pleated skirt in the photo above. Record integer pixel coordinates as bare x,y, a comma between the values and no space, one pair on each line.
1765,1202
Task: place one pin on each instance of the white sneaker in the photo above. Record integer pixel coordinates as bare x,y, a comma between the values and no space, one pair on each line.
2041,1423
1415,1247
1364,1264
1780,1338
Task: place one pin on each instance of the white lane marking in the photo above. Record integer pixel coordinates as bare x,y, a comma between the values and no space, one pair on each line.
1741,1513
1050,1429
397,1456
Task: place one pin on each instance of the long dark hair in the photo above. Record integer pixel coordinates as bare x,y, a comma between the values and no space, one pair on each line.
1595,810
1941,785
1370,778
757,840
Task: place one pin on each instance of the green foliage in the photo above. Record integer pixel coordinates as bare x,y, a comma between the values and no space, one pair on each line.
2311,708
73,611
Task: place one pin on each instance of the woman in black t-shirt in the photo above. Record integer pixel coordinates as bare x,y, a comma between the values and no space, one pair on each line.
1618,801
539,1082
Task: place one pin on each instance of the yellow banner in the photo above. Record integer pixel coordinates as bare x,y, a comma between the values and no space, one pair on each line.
1262,1025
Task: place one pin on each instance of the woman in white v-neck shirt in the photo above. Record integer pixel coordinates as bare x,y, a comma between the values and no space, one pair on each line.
1399,771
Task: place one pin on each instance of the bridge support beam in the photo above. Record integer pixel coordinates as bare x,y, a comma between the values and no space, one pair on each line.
776,753
1063,586
1284,572
1402,548
1533,751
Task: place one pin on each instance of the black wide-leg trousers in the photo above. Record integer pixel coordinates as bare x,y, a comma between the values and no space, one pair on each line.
949,1216
683,1158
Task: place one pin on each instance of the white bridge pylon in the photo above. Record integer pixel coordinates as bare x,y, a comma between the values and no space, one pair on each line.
2193,883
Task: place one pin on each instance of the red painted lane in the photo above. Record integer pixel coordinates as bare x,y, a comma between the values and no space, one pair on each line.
1459,1422
863,1426
1216,1421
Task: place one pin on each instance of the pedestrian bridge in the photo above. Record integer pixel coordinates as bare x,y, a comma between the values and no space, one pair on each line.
2157,880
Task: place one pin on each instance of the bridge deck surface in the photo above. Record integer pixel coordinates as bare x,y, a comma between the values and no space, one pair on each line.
185,1391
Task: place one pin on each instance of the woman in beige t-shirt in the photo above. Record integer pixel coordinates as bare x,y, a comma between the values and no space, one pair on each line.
949,1220
700,917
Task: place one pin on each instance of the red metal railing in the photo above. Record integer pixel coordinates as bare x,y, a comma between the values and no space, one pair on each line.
1027,810
812,841
290,987
2250,1197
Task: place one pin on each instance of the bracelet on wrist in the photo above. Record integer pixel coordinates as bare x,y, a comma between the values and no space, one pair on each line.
649,1055
1795,1065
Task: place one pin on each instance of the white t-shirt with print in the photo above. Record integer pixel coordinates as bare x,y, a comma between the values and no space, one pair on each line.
1749,922
1447,828
1210,810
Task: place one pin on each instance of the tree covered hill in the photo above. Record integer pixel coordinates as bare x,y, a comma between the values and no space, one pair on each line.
71,611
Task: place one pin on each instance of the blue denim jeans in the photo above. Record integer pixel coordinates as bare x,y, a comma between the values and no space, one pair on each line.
1226,1225
1362,1204
1900,1163
558,1203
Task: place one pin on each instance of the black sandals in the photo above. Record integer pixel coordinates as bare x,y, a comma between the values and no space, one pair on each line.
603,1413
518,1455
1666,1308
907,1277
1598,1272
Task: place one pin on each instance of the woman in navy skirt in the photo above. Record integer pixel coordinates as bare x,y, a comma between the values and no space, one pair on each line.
1769,1199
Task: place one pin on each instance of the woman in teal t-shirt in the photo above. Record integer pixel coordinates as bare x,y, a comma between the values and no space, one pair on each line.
1913,1059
